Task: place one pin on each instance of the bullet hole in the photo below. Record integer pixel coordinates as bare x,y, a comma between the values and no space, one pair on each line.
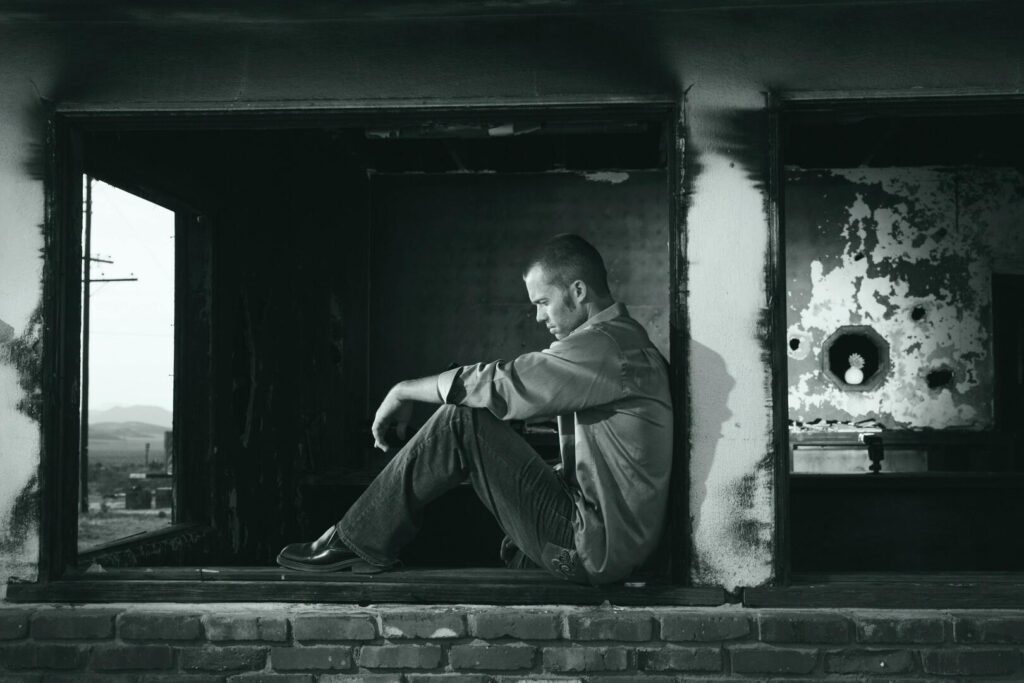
917,314
938,378
799,345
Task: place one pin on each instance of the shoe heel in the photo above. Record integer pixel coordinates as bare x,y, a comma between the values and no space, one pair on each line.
364,567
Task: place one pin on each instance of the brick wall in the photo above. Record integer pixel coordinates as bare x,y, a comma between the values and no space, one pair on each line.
305,643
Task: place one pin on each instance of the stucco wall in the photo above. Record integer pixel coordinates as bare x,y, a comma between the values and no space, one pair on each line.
725,60
21,242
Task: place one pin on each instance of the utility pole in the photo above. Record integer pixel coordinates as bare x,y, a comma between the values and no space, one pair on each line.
87,280
83,448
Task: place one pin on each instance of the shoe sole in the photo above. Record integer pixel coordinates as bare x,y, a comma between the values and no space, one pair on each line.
356,565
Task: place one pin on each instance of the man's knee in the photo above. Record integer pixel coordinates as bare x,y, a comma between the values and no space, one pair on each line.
450,408
457,412
467,418
448,415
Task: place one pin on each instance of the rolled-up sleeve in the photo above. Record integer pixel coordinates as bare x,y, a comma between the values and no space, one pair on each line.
581,371
445,381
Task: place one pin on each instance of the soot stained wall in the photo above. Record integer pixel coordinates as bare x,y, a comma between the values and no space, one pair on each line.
909,252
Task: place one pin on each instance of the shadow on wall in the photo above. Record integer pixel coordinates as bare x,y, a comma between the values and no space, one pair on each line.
713,396
730,506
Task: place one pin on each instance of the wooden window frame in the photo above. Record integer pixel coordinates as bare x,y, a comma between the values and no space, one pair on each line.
60,573
854,589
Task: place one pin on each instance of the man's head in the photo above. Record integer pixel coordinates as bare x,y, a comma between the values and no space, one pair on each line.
567,282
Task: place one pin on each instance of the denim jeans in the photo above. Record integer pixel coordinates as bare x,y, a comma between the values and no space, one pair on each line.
529,500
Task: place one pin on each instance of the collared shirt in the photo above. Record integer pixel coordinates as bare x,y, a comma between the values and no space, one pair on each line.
608,386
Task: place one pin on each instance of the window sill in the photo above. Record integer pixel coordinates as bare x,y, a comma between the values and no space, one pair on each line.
973,590
168,533
433,586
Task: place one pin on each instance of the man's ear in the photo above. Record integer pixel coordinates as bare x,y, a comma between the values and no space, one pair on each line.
579,291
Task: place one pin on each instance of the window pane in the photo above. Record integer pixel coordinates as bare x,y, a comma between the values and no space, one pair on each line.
128,366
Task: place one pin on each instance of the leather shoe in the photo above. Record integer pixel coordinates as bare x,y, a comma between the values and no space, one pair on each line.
326,554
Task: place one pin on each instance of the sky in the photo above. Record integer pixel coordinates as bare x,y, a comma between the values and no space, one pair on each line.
131,354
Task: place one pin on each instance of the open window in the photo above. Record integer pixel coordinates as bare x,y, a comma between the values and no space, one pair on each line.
319,260
902,236
127,368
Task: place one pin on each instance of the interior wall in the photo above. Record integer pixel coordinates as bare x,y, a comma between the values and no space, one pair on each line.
909,252
448,252
289,319
725,61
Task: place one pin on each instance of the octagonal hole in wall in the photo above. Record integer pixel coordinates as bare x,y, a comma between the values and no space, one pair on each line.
863,341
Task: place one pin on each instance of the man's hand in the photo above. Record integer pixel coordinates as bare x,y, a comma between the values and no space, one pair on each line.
393,412
396,408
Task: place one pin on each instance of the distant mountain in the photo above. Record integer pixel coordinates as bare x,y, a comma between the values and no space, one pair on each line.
151,415
119,431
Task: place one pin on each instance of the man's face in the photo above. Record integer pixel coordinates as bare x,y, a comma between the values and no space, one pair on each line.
557,308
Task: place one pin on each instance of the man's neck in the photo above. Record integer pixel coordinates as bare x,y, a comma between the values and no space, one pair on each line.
595,307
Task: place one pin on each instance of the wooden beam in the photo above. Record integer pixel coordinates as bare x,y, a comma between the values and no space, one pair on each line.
893,594
496,587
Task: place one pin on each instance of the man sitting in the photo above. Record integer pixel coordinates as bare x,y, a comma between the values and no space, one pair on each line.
597,519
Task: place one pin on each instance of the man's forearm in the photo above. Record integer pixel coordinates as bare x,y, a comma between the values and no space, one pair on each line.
423,390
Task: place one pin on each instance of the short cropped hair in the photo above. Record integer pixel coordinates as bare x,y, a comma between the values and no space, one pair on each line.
566,258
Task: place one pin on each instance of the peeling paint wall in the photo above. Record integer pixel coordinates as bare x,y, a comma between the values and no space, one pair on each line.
910,253
20,408
725,59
